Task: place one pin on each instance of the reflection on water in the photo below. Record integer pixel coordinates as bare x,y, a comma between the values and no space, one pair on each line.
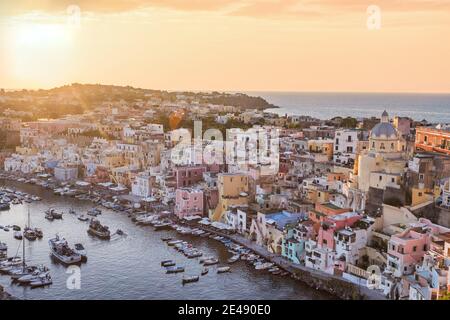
128,267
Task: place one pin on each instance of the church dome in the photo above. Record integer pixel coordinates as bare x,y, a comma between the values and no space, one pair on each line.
385,130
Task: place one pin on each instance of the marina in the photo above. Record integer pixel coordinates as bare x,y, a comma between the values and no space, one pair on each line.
106,275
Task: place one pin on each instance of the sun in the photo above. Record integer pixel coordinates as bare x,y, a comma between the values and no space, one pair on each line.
37,36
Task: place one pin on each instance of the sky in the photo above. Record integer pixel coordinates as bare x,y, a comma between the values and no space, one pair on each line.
228,45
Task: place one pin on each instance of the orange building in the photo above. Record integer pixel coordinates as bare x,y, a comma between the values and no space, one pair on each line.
433,140
321,211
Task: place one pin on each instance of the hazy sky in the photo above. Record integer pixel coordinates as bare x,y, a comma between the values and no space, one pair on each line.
242,45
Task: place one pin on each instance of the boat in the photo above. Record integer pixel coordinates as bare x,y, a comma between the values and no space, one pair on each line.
223,269
94,212
41,281
6,229
204,271
79,248
60,249
39,233
234,258
34,276
4,206
16,228
18,235
274,269
28,232
174,269
210,262
165,239
52,214
263,266
98,230
162,226
190,279
174,242
167,263
82,217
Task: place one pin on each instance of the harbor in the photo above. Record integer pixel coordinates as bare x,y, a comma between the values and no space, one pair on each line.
138,247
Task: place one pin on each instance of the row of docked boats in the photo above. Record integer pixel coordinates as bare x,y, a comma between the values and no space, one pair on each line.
20,272
9,196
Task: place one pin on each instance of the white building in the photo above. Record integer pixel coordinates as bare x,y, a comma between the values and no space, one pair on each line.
142,185
66,173
237,219
345,144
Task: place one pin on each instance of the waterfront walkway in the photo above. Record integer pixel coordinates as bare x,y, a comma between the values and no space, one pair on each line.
293,268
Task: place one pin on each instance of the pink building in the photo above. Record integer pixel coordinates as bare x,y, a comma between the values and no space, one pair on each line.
331,224
187,176
188,202
407,249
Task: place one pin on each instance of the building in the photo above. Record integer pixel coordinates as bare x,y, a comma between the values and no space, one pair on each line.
406,250
433,140
345,145
142,185
66,173
233,191
188,202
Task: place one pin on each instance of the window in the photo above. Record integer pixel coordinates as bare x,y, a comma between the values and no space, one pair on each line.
380,178
414,248
392,180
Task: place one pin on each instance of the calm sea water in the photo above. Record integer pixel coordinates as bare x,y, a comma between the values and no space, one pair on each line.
431,107
129,267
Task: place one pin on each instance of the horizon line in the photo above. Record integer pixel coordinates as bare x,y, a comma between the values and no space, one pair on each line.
238,91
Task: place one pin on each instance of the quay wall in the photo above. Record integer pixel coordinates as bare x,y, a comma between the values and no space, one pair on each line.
333,284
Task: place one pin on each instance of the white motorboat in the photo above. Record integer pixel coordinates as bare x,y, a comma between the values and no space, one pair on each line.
223,269
264,266
79,248
41,281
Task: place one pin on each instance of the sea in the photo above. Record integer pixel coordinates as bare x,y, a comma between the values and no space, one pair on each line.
434,108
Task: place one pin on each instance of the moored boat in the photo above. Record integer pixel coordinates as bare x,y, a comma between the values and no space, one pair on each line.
174,269
167,263
190,279
99,230
210,262
204,271
223,269
59,248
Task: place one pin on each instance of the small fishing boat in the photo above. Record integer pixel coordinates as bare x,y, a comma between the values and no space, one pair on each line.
99,230
263,266
174,269
162,226
234,258
82,217
167,263
210,262
29,234
39,233
190,279
41,281
18,235
174,242
79,248
223,269
16,228
6,229
34,276
204,271
94,212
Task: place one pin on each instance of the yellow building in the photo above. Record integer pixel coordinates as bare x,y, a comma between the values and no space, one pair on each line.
383,164
233,190
321,146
